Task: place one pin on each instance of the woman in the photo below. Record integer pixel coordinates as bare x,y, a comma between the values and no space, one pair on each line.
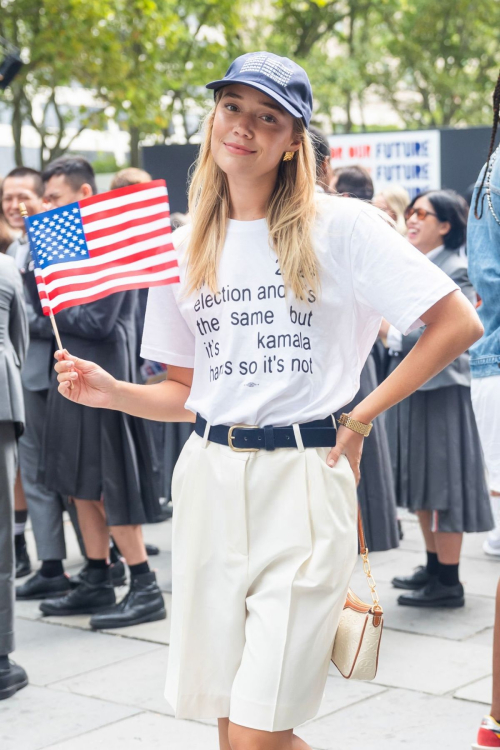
437,459
394,201
281,296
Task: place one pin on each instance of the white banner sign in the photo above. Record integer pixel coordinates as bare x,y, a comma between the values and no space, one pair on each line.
410,159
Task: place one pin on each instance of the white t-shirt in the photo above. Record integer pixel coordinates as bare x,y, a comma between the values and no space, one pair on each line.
395,337
262,359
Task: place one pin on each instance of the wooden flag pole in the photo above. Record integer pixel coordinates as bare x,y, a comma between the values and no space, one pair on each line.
24,214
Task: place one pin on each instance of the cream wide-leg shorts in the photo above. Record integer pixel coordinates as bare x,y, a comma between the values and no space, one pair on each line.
263,548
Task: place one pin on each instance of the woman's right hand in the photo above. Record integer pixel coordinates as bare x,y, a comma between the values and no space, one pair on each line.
92,386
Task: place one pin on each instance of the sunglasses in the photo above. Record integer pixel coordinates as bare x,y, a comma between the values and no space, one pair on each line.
421,213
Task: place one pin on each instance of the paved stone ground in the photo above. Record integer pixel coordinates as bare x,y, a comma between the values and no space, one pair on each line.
105,690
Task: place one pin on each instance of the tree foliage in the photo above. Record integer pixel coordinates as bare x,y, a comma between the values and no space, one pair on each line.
60,47
140,57
433,63
439,61
168,50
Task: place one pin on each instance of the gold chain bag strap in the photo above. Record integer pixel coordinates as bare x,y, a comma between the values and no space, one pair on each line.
357,641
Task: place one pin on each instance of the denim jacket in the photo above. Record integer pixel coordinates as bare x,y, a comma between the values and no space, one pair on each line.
483,247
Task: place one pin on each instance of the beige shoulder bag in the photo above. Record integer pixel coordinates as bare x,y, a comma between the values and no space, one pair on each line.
357,642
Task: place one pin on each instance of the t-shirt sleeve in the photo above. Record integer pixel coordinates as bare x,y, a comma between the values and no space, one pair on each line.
166,337
390,275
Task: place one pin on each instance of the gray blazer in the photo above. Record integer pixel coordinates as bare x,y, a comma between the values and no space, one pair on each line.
13,343
458,372
39,361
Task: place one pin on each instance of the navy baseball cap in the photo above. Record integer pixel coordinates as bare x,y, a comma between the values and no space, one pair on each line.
278,77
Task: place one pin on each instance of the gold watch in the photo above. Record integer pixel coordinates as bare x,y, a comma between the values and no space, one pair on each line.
353,424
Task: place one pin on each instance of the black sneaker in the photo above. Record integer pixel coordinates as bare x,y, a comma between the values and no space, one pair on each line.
435,594
23,562
118,574
91,595
40,587
418,579
143,603
11,680
152,550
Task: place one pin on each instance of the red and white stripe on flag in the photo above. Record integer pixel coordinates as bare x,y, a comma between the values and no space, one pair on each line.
121,240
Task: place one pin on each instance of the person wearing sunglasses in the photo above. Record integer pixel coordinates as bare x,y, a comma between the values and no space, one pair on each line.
436,452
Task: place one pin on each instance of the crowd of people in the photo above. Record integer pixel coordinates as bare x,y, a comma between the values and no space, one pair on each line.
444,440
426,452
114,478
435,453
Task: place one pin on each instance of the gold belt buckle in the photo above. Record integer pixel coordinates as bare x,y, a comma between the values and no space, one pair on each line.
230,437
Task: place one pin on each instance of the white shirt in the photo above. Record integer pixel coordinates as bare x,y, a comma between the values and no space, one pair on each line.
395,337
260,358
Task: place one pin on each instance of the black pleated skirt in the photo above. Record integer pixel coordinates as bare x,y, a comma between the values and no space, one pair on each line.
169,439
437,459
376,488
93,453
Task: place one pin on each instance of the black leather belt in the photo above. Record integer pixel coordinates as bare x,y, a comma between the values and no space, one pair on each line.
318,434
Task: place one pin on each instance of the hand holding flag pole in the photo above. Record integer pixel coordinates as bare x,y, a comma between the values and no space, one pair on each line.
24,214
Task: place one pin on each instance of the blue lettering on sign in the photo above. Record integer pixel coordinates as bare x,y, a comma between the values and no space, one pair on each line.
399,172
402,149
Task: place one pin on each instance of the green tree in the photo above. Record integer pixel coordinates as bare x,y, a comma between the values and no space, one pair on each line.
339,64
168,50
61,44
439,61
332,40
434,63
143,58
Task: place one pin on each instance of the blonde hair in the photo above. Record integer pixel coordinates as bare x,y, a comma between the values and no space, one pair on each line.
398,200
290,216
129,176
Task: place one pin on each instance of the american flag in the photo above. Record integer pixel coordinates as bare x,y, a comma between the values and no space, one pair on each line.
108,243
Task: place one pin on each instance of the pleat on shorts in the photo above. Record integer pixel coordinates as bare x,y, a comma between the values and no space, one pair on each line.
264,545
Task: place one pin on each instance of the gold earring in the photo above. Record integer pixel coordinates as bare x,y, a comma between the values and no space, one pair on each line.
288,155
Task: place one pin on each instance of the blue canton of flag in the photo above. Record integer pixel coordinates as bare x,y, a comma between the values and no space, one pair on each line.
58,237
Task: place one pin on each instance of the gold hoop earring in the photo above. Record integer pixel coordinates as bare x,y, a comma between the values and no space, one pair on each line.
288,155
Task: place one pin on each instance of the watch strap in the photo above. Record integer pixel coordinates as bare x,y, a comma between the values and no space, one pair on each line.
355,425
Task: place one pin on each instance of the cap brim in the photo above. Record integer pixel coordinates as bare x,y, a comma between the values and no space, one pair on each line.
216,85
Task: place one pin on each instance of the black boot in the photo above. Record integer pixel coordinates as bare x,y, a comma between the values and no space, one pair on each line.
118,574
11,680
92,595
40,587
435,594
23,562
143,603
418,579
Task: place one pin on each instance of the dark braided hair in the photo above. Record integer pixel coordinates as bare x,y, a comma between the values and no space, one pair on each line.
496,119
